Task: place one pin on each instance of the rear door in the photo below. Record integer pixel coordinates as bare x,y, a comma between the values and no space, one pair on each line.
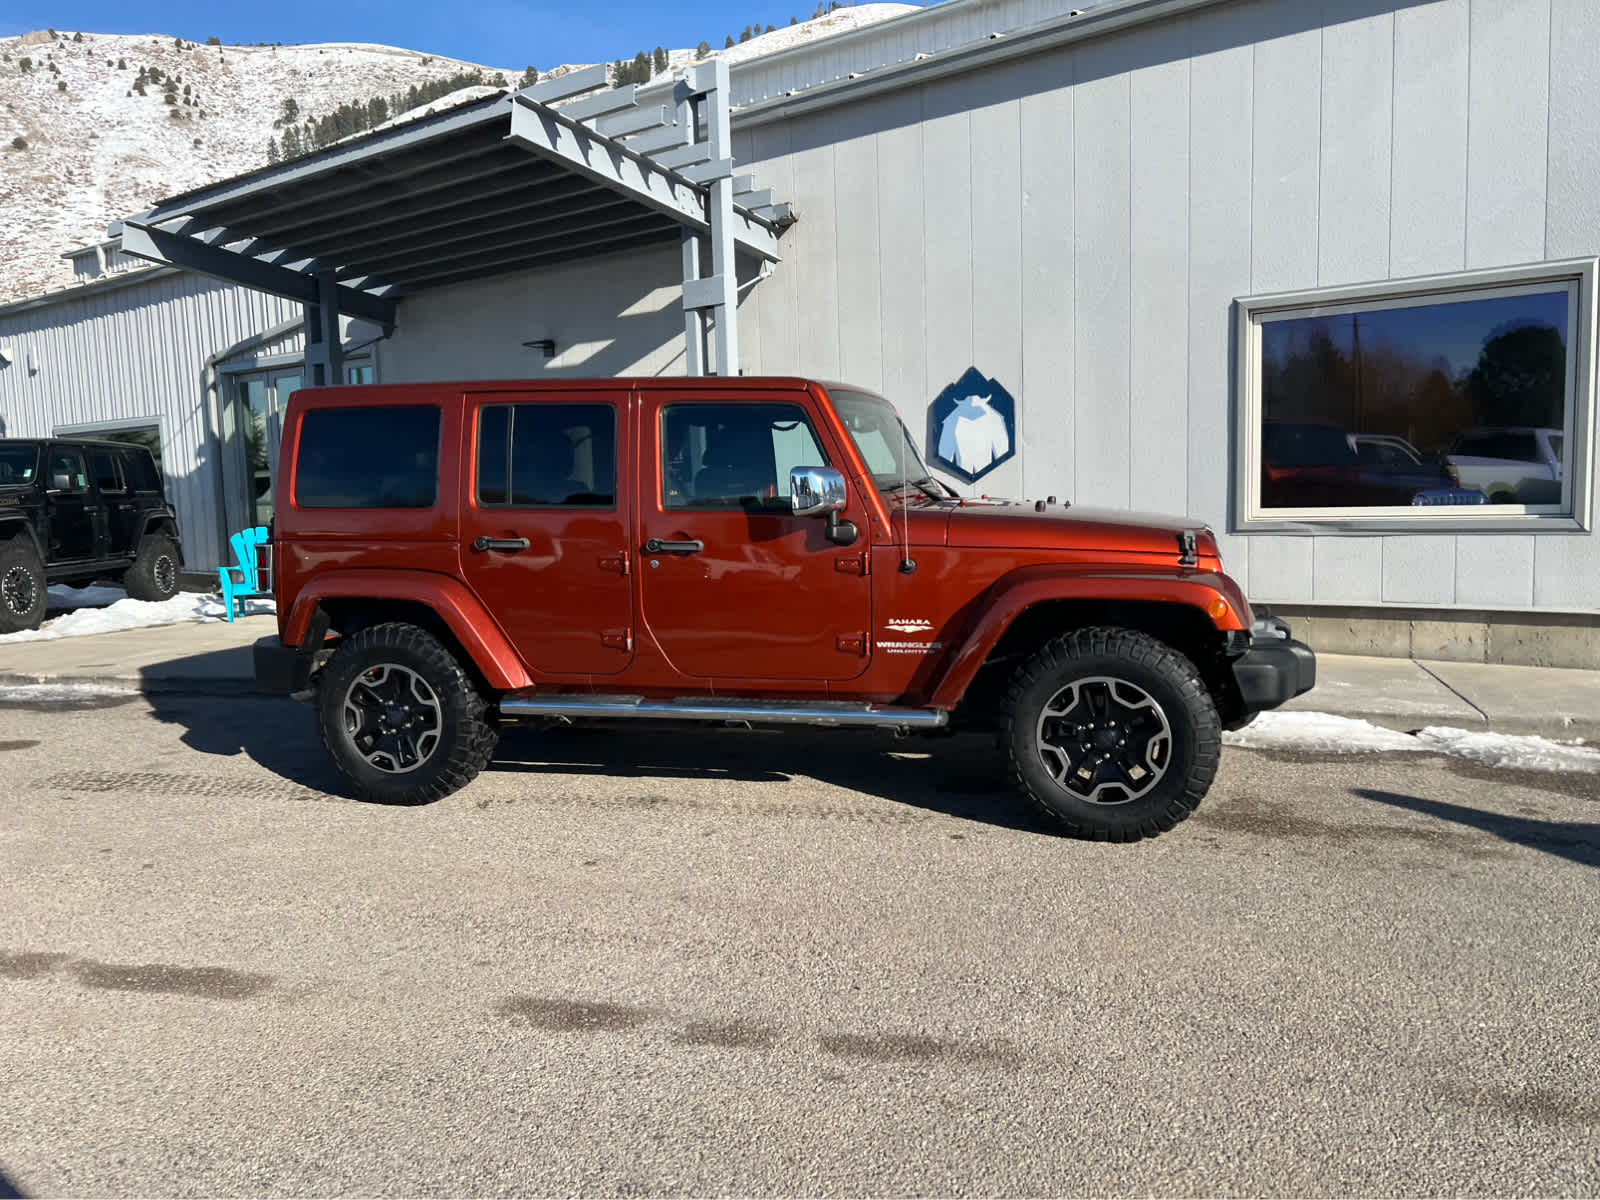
116,502
733,585
545,525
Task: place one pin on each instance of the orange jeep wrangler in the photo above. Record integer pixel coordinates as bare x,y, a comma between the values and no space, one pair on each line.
746,551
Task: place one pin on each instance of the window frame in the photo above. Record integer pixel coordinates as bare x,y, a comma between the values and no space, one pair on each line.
509,504
1575,511
312,414
778,504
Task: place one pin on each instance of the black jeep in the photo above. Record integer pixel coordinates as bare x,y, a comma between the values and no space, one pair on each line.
76,511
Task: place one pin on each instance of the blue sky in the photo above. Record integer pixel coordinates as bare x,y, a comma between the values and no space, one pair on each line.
495,32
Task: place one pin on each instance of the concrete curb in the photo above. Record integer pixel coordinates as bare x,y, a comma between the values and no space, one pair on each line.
231,688
1557,729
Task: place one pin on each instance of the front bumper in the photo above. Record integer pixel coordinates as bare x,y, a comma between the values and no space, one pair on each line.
1274,668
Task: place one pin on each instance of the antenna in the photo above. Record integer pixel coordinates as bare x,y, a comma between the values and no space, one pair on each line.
908,565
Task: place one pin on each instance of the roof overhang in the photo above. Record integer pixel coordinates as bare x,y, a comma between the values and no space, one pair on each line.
508,183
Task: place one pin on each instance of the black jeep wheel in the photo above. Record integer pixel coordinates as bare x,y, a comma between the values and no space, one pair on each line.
154,574
1111,734
22,586
403,723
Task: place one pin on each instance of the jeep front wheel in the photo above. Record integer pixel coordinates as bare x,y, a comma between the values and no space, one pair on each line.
401,720
1111,734
154,574
22,587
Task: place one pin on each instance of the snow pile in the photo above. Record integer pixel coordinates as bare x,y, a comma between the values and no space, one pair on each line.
110,610
57,693
1325,733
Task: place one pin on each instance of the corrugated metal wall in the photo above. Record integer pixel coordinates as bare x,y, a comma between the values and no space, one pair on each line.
138,351
1078,224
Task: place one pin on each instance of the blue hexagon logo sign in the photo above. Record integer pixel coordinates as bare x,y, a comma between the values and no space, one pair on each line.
972,426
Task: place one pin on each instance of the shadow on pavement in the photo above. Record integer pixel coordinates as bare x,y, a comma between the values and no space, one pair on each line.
8,1189
962,776
1578,841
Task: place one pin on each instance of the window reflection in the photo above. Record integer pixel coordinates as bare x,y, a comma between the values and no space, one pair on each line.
1444,403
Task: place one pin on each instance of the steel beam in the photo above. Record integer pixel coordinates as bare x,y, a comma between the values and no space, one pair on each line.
553,231
660,237
573,83
157,245
577,147
601,104
636,121
274,180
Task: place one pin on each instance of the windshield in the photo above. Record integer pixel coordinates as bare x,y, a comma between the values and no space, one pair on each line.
881,437
17,464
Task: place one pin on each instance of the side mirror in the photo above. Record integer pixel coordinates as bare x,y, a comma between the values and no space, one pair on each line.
816,491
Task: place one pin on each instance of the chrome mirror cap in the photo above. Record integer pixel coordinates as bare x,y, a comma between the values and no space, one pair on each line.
815,491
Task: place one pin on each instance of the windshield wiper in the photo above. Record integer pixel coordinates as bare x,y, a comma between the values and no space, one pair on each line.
921,485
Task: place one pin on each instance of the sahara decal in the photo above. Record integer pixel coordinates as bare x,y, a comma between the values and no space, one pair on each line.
908,625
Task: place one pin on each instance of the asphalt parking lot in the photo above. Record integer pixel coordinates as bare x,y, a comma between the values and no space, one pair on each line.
663,963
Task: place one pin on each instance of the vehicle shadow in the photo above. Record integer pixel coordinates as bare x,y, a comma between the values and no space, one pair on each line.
961,776
1577,841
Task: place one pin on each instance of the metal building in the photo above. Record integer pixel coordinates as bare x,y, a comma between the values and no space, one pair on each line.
1321,274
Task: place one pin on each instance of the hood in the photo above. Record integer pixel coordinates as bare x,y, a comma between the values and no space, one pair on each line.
1016,524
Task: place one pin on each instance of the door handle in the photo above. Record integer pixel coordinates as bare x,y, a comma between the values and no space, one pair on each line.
505,545
657,546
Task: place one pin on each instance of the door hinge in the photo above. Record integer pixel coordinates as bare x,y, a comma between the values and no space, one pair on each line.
851,564
617,639
852,643
615,562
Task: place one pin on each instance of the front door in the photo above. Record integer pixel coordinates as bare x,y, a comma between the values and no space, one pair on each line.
73,533
544,540
738,587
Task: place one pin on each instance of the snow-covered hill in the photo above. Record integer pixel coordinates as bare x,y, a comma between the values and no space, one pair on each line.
74,158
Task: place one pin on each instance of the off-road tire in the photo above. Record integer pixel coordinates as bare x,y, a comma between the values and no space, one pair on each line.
466,738
156,568
1165,677
23,592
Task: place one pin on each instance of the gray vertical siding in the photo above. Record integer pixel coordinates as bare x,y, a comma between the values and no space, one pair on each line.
1078,224
132,352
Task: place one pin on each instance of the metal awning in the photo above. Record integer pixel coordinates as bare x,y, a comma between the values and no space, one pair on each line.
565,170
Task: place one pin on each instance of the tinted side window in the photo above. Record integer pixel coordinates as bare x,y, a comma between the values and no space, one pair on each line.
547,456
18,465
139,469
734,455
106,475
384,457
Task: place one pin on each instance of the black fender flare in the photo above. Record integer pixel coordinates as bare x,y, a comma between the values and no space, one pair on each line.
162,520
10,527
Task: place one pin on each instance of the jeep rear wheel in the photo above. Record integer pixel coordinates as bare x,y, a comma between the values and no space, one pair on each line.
1111,734
22,587
401,720
154,574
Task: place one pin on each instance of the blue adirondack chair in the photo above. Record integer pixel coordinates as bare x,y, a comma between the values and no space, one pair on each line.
243,579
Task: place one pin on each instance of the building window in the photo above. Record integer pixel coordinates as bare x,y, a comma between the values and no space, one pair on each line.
1463,401
360,372
148,436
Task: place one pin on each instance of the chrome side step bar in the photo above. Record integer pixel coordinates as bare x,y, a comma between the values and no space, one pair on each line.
698,708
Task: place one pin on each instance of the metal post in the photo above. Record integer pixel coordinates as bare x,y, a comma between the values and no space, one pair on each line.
324,352
723,266
694,320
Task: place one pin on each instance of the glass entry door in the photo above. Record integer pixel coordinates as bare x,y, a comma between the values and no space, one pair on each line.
251,423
